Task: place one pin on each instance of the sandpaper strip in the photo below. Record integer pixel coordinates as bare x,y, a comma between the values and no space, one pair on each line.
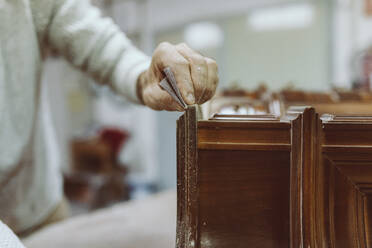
172,84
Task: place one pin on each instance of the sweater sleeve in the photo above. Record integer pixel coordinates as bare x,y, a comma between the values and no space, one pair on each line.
93,43
8,239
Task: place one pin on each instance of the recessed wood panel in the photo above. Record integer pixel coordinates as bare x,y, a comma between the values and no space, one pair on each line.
367,202
243,202
349,181
342,210
264,182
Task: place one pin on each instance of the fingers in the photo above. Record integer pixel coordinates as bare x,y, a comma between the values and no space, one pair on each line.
196,76
204,73
158,99
168,56
212,81
198,69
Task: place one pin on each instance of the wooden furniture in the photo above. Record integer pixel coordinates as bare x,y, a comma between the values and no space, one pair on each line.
263,102
236,104
96,179
264,181
335,102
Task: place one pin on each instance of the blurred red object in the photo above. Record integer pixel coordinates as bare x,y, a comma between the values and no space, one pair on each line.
97,179
368,7
114,137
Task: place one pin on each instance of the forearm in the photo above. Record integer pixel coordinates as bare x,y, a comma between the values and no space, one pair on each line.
94,44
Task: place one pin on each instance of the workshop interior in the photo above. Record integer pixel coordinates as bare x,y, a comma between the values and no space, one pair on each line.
280,155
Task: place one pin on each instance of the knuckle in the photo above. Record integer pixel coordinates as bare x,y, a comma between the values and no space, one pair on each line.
163,58
212,63
163,47
181,45
197,59
164,44
176,63
181,63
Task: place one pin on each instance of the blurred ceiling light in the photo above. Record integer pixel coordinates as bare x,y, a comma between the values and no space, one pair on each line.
203,35
292,16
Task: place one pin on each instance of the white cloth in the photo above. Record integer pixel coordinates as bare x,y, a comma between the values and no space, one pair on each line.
149,223
8,239
30,186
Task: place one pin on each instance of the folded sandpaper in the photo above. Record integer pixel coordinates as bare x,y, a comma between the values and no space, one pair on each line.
169,84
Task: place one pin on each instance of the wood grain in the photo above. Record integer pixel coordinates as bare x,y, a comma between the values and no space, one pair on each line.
264,181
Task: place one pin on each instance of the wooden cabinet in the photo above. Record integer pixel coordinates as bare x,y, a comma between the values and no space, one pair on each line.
269,182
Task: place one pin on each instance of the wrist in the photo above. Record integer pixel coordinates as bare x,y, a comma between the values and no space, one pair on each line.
141,81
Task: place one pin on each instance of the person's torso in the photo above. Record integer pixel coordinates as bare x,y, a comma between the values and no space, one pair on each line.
23,169
19,79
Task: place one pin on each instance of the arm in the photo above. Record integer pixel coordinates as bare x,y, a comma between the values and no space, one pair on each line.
93,43
96,45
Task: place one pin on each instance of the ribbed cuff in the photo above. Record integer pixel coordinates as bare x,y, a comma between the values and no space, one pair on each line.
127,72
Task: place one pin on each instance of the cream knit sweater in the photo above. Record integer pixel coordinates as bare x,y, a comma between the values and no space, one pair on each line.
8,239
30,185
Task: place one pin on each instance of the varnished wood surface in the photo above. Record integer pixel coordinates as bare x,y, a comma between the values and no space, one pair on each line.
348,108
234,208
187,182
347,170
262,101
244,203
261,181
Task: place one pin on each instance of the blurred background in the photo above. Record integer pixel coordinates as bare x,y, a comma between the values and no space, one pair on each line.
110,150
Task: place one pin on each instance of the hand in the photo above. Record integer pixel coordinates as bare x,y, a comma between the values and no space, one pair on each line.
197,77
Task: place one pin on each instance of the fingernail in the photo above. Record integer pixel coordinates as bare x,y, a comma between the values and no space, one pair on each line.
191,98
